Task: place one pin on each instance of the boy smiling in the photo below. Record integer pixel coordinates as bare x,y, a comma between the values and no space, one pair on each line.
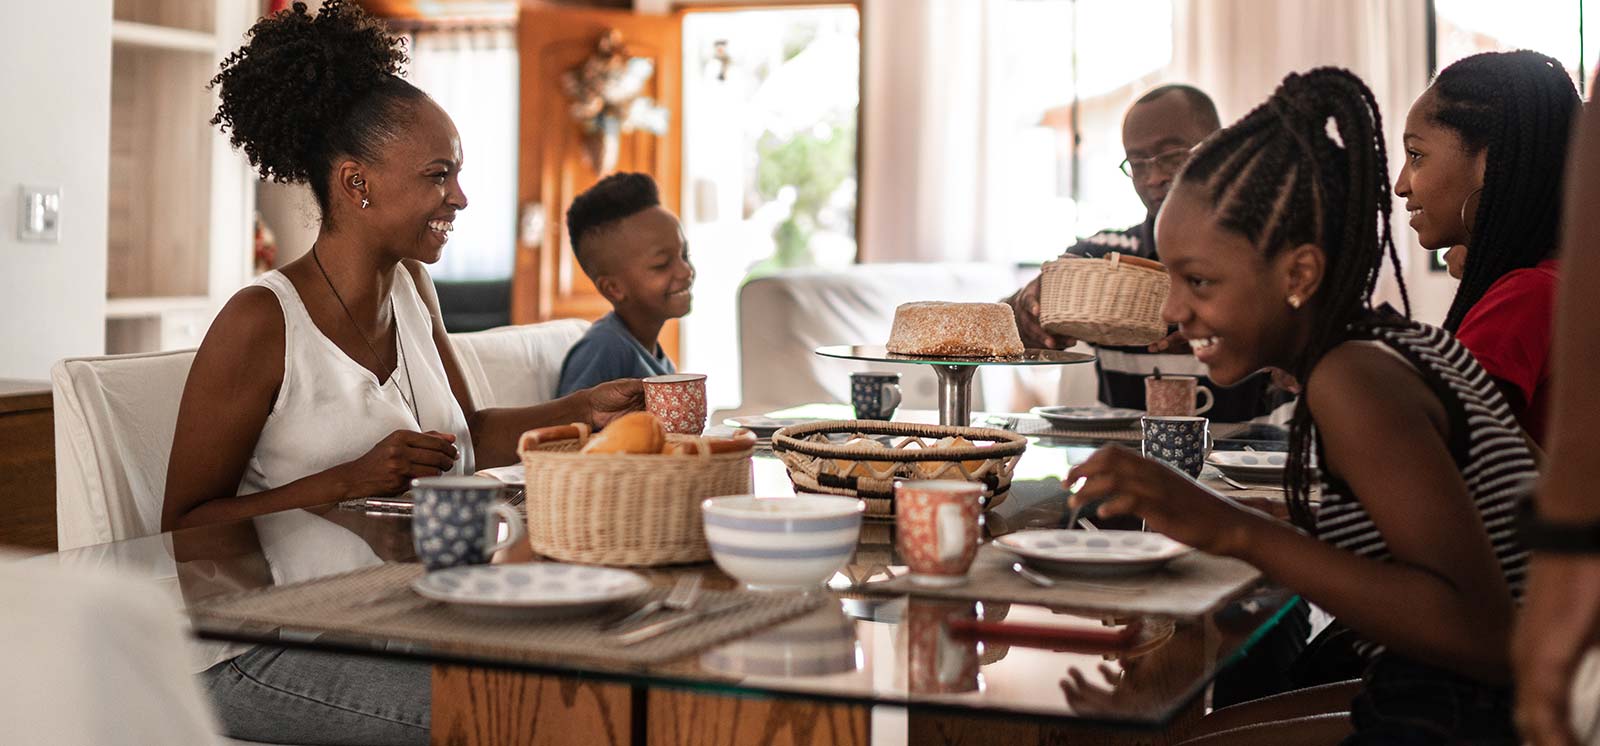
634,251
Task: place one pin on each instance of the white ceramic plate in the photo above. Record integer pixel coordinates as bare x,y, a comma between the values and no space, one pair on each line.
1253,466
764,426
1089,417
1093,552
545,589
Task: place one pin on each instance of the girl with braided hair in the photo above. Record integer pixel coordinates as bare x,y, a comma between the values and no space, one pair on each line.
1486,148
1273,237
332,377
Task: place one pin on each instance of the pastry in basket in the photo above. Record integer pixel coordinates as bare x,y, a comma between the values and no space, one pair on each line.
861,468
947,469
941,329
639,433
636,432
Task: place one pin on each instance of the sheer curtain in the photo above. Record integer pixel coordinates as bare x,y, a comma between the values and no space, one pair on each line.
932,121
926,143
472,73
1238,51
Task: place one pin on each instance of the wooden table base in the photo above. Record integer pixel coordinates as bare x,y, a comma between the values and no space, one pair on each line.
480,707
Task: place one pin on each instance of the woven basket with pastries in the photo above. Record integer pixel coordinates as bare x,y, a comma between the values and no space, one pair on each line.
633,501
1115,300
864,458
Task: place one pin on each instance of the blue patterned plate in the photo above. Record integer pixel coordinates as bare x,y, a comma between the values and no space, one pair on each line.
1093,552
1090,417
537,589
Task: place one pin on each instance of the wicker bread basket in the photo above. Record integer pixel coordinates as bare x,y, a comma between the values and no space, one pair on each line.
819,464
1111,301
623,509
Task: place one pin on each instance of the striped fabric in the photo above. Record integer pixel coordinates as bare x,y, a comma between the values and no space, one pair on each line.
1486,443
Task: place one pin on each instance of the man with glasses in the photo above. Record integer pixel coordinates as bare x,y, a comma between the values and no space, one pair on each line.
1158,133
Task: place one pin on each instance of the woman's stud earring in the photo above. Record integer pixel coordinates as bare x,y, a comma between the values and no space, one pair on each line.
1294,300
364,206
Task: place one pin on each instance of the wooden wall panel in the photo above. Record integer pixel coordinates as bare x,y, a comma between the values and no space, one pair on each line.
552,40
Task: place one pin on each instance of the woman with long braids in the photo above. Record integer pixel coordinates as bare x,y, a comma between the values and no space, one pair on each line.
333,377
1273,237
1486,147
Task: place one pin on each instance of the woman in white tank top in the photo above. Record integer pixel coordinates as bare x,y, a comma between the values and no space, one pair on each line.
333,378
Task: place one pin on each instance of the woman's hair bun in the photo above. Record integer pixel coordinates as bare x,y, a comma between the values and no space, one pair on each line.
298,79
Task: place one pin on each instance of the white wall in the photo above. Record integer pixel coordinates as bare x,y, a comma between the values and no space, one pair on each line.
55,75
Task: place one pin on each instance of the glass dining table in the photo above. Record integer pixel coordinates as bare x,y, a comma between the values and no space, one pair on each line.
867,666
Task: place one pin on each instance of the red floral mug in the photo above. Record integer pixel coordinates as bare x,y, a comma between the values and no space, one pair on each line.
936,523
678,400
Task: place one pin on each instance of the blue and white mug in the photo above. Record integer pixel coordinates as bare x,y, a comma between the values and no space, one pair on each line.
874,395
1180,441
455,521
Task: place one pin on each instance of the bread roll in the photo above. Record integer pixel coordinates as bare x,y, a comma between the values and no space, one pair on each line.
935,469
636,432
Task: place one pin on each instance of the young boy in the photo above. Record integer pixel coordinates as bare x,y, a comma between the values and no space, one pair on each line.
633,250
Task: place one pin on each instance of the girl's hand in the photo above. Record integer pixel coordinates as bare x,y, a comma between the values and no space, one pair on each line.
1168,501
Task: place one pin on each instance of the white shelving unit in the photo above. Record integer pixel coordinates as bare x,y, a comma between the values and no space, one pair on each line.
182,203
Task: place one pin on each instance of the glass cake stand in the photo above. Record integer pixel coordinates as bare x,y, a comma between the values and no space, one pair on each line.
955,373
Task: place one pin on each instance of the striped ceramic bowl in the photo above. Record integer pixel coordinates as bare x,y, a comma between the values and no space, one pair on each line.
782,543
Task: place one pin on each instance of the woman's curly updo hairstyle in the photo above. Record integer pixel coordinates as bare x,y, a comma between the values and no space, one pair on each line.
308,90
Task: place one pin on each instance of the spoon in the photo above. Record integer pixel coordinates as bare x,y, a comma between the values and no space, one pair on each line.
1032,576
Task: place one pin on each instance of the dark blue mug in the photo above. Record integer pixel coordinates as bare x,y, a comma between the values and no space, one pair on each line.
874,395
455,520
1183,442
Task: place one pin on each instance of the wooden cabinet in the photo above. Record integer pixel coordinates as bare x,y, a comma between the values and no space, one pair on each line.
181,202
27,467
548,284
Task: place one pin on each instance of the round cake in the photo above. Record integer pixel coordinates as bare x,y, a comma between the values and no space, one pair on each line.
939,329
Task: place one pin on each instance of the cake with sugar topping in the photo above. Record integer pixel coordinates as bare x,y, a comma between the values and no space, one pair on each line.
940,329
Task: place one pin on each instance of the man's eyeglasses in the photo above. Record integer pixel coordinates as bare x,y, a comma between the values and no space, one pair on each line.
1169,162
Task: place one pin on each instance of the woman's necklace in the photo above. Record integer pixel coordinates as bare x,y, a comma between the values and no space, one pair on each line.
399,342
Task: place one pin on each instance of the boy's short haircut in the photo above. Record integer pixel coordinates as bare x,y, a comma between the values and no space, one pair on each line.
618,196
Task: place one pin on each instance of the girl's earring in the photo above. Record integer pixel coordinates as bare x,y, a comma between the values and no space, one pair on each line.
1294,301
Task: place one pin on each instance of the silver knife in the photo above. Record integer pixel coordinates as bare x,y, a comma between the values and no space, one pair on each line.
657,629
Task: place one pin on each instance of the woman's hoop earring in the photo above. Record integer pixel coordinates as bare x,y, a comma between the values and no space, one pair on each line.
1464,224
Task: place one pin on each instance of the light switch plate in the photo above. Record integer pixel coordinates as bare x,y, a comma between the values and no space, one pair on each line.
39,214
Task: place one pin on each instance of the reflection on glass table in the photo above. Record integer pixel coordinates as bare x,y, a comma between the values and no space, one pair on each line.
862,646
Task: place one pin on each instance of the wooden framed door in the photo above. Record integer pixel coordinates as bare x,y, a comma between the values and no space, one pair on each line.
553,39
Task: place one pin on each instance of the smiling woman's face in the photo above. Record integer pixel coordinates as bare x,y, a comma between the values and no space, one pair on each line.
1440,179
414,192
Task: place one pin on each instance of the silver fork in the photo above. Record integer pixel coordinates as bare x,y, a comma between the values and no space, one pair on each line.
682,596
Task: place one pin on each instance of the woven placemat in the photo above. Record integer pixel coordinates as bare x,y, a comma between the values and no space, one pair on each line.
1040,427
378,602
1191,585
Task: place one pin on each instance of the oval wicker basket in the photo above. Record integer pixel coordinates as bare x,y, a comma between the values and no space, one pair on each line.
1111,301
624,509
818,464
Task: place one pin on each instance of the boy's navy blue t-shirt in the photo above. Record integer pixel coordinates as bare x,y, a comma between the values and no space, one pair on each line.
606,352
